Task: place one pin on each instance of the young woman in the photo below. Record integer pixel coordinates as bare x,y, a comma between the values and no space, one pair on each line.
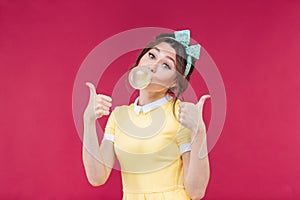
158,138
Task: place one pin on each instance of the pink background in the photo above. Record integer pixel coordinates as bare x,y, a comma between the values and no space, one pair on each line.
255,45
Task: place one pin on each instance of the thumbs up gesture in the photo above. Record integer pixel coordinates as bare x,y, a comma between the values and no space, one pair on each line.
98,104
190,115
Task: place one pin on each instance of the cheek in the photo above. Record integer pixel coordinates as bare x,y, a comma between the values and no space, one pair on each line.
166,76
144,59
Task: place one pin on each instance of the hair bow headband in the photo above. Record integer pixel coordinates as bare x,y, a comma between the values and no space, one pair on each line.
183,37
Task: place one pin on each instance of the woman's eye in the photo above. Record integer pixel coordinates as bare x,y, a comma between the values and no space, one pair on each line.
166,66
151,55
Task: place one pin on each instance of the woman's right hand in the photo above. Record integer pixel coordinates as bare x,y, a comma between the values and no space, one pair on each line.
98,105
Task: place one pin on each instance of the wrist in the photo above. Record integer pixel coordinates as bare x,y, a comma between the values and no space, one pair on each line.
197,136
88,119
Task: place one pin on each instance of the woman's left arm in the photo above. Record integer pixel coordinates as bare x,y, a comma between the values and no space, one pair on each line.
196,169
196,162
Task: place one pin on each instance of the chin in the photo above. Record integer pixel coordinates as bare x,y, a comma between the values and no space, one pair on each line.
153,87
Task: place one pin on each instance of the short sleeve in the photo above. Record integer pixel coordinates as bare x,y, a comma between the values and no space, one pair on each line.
109,132
183,139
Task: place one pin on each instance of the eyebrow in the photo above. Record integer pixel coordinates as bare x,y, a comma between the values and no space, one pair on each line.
157,49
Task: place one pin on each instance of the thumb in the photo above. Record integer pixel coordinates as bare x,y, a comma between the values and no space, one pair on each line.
92,92
202,101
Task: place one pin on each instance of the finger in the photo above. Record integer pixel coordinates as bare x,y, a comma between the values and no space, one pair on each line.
202,101
187,107
105,97
103,112
182,104
99,113
106,112
101,107
103,102
92,92
182,107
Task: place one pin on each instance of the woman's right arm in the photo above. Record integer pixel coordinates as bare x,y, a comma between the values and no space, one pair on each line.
98,160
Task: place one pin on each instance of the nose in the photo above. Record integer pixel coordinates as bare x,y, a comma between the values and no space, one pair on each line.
153,66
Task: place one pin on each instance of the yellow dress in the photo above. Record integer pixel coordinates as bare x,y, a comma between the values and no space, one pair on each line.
148,146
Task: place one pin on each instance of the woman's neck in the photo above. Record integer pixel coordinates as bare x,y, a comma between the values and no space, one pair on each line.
148,97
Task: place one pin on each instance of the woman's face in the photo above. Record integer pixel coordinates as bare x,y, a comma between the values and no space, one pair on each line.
160,60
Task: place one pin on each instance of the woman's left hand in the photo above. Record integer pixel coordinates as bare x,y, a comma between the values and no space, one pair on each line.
190,115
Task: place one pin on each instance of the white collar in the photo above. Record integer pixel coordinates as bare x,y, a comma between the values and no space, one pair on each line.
150,106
